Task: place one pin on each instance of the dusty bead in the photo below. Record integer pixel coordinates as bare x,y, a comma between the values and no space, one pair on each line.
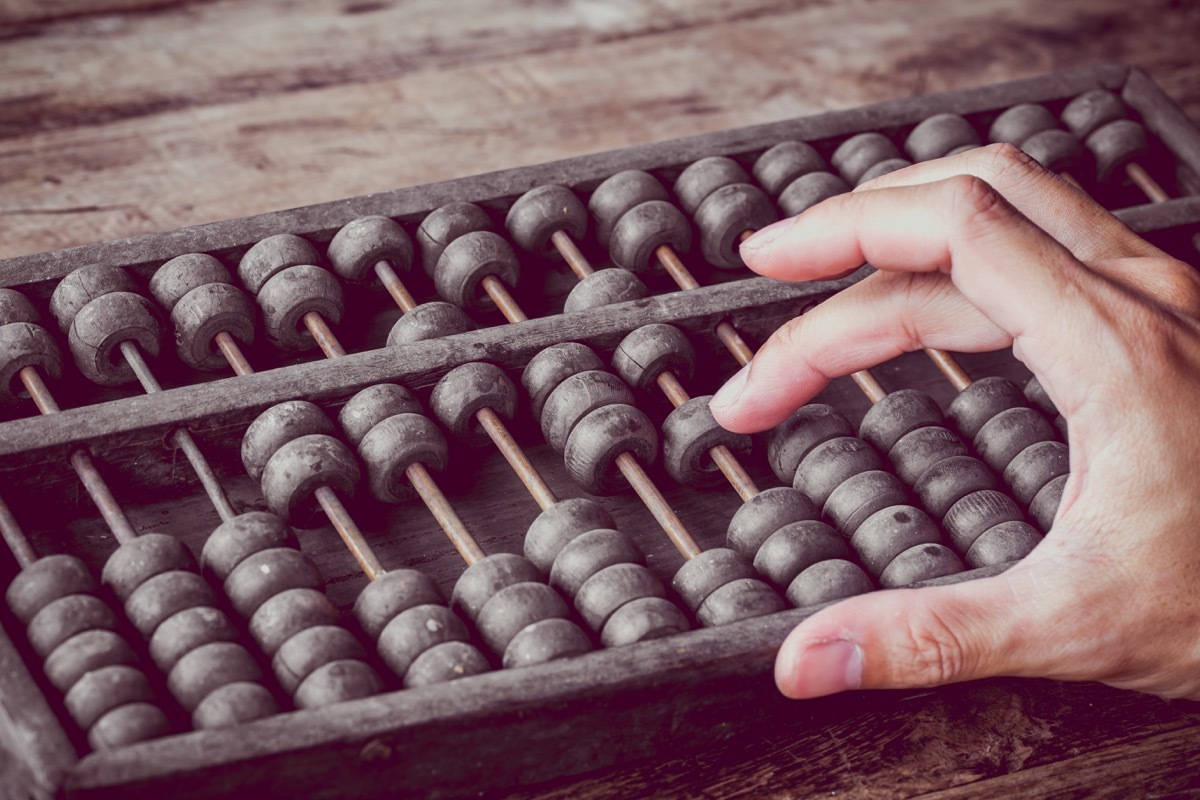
918,450
552,366
796,547
83,286
645,228
883,168
976,513
947,482
290,295
795,437
363,242
828,465
725,216
467,260
648,351
84,652
203,313
543,641
1115,145
898,413
273,255
1056,150
1036,394
1092,110
275,427
209,667
642,619
299,468
1000,544
785,162
604,287
24,344
1044,506
14,307
860,496
513,608
860,153
921,563
744,598
445,225
1034,467
888,533
288,613
808,190
337,682
266,574
700,576
701,178
560,524
235,539
415,630
308,650
540,213
186,630
165,595
182,274
827,581
689,433
393,593
484,579
373,405
1018,123
763,514
936,136
619,193
603,593
65,617
393,446
104,689
446,662
588,553
466,390
136,561
982,400
575,398
99,329
600,438
1008,433
428,321
126,725
44,581
234,704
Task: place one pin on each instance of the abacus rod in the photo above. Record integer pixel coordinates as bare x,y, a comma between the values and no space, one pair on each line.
949,367
575,259
445,514
503,300
512,452
1143,180
870,387
672,388
323,336
734,343
15,538
233,354
89,476
342,522
675,268
395,287
671,524
684,279
181,437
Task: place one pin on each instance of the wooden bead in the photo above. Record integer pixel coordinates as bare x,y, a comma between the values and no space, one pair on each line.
826,581
898,413
514,608
701,178
65,617
604,288
700,576
765,513
266,574
286,614
1056,150
165,595
795,437
883,168
540,212
273,255
796,547
546,370
484,579
363,242
1115,145
83,286
828,465
645,228
860,496
14,307
396,444
1045,503
186,630
415,630
311,648
391,594
234,704
976,513
104,689
467,260
203,313
599,438
1092,110
784,163
618,194
209,667
1000,544
575,398
737,600
138,560
689,433
860,153
888,533
236,539
446,662
281,423
292,293
445,225
301,466
99,329
1008,433
588,553
467,389
1037,395
1034,467
373,405
1018,123
182,274
558,525
982,400
648,351
24,344
642,619
44,581
808,190
126,725
428,321
84,652
947,482
725,215
604,592
918,450
921,563
544,641
936,136
337,682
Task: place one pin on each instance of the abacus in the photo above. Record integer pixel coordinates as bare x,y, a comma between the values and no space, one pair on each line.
425,492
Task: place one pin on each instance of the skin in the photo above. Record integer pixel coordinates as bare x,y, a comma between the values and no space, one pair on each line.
978,252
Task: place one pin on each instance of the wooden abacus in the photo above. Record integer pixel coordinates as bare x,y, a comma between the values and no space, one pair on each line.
586,637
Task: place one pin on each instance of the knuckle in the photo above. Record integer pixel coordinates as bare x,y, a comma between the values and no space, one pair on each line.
1006,164
975,201
937,654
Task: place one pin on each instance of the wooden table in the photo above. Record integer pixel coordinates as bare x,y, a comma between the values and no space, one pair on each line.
120,117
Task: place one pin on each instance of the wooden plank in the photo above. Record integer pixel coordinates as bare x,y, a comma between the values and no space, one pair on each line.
1164,118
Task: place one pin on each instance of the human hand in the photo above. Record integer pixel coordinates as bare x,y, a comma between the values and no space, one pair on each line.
979,252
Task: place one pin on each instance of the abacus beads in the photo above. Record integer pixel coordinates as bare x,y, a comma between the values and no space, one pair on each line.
198,293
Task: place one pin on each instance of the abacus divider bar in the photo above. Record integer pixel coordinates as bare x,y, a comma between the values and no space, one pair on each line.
1144,181
445,514
344,524
395,287
949,367
15,538
181,437
575,259
490,421
233,354
684,279
671,524
870,387
503,300
89,476
323,335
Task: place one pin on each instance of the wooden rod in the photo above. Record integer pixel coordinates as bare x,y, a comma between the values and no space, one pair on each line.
15,538
343,523
671,524
733,471
233,354
323,335
445,514
684,279
950,368
395,287
672,388
734,343
503,300
675,268
870,387
512,452
1144,181
571,254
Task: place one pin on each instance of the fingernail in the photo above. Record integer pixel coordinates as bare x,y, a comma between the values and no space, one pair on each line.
821,669
764,236
728,394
